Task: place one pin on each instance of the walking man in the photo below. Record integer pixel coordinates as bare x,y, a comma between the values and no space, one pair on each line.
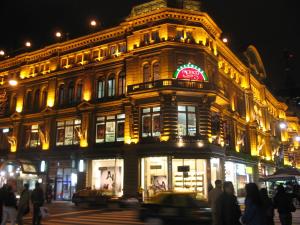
213,196
37,199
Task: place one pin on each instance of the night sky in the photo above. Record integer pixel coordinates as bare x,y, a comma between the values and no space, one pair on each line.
269,25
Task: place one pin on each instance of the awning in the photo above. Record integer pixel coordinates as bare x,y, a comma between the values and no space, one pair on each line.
285,174
25,166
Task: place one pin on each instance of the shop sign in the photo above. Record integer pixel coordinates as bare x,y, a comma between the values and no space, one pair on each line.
190,72
155,167
183,168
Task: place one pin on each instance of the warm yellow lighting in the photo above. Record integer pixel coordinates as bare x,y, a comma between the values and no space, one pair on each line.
19,106
28,44
45,146
237,148
129,140
87,95
268,158
13,148
93,23
180,143
225,40
2,52
164,138
200,144
13,82
83,143
58,34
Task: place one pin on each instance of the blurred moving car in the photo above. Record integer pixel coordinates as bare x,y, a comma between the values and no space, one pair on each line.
175,208
91,197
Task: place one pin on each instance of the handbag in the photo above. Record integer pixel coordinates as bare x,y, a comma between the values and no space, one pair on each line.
44,212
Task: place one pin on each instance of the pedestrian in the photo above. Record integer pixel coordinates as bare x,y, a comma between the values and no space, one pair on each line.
9,207
3,190
37,199
268,206
254,212
23,207
213,196
228,211
284,203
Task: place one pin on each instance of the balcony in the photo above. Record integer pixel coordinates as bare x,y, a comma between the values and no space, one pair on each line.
167,83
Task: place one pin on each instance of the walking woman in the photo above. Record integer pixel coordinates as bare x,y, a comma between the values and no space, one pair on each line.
254,211
284,204
268,206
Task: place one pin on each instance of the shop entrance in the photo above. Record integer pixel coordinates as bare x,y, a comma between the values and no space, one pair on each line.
65,184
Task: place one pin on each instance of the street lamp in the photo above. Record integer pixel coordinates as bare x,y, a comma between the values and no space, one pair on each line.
58,34
28,44
282,125
2,52
93,23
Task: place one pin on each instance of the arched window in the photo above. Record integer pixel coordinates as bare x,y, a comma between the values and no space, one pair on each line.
71,93
79,91
61,94
44,98
101,88
146,73
122,83
36,101
111,85
28,101
155,69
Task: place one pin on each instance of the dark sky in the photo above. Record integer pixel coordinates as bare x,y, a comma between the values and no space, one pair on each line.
269,25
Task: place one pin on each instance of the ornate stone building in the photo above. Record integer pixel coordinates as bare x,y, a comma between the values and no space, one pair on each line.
156,103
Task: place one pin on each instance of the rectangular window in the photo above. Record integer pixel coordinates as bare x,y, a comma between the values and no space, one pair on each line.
151,122
32,136
187,121
110,128
67,132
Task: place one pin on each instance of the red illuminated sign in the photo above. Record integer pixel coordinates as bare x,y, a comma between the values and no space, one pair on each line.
190,72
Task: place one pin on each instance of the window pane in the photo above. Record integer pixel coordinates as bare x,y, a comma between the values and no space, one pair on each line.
146,73
156,109
146,125
77,121
181,108
120,131
75,135
110,131
69,135
191,108
156,125
121,116
191,124
182,124
100,118
111,87
60,136
100,89
147,110
110,118
100,131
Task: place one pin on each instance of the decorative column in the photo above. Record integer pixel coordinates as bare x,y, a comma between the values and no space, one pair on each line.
252,138
204,115
169,117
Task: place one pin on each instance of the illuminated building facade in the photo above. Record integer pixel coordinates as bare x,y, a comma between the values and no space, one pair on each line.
156,103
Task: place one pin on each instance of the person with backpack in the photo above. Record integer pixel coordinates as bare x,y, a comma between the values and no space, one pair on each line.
37,199
283,202
9,206
23,207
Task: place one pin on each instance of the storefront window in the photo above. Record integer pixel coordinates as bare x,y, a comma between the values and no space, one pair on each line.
110,128
67,132
190,175
151,122
215,169
239,175
154,176
32,136
186,120
107,176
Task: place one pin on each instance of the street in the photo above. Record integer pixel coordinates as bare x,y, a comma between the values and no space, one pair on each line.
67,213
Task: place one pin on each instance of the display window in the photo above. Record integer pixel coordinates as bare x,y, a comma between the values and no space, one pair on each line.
189,175
67,132
154,176
151,122
186,120
239,175
110,128
215,170
107,176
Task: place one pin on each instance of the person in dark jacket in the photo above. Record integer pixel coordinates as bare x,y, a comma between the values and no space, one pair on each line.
37,199
228,211
268,206
254,212
23,206
9,207
284,204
